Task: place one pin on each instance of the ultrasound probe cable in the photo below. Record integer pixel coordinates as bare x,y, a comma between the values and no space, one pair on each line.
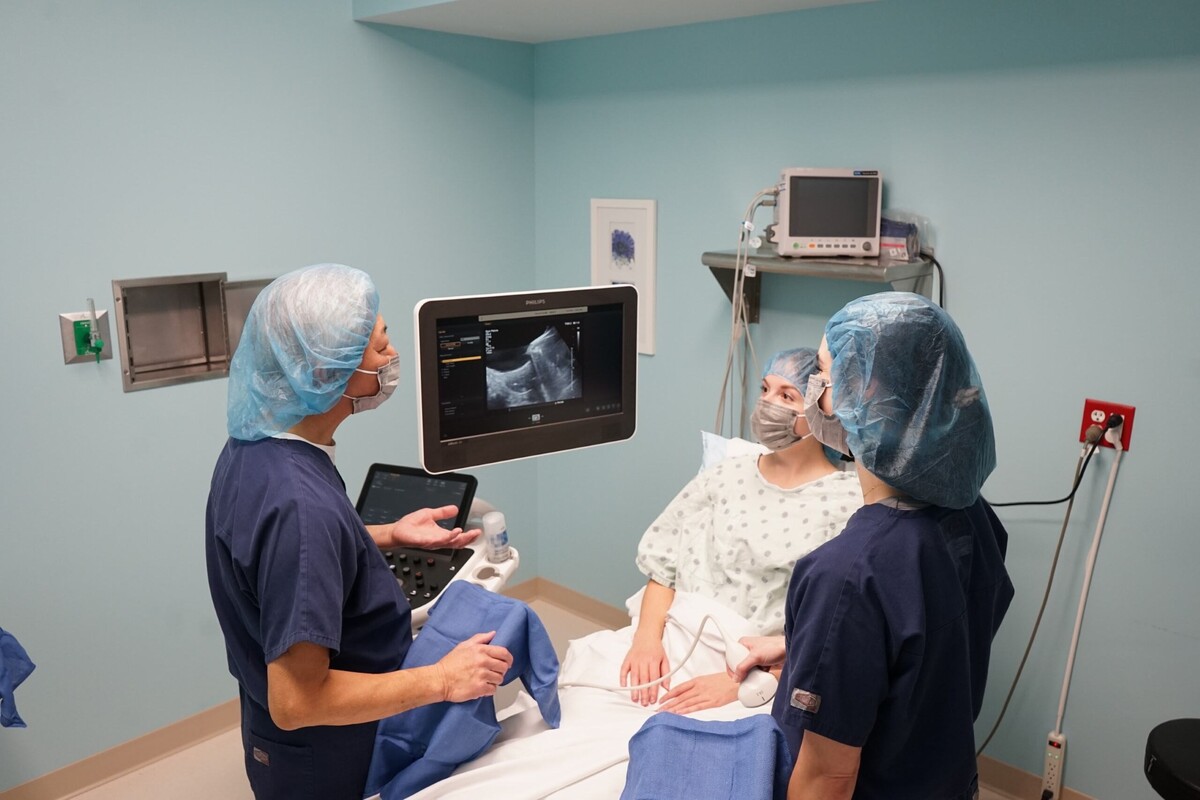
695,641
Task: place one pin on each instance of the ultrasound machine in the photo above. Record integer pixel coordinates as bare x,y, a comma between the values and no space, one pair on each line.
389,492
502,377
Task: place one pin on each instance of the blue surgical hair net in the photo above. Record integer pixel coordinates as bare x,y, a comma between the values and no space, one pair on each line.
794,366
303,338
907,392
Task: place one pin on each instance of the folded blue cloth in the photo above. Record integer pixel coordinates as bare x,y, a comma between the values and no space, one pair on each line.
15,667
418,748
680,758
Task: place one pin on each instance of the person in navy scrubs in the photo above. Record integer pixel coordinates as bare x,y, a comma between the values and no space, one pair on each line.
889,626
315,624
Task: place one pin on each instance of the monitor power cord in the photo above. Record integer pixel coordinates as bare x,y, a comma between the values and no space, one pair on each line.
1094,435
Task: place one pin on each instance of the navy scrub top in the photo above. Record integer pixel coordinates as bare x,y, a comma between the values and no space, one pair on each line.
290,561
889,628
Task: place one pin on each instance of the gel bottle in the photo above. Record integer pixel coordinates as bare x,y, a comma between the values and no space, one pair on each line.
495,537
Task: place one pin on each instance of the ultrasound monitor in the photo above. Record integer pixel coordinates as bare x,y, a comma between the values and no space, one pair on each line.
508,376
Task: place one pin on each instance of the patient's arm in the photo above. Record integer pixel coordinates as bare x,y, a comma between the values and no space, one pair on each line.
825,769
647,659
706,691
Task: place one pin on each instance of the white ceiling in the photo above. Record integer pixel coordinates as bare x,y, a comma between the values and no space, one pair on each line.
536,21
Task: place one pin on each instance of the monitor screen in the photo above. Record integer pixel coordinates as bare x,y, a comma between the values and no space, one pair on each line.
390,492
824,206
508,376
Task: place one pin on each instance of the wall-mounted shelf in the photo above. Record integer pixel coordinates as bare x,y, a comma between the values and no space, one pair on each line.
903,276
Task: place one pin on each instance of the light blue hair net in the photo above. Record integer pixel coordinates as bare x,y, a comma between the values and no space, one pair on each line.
303,338
794,366
909,396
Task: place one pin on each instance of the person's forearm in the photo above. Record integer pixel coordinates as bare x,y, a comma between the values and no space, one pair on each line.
824,770
348,698
822,788
656,602
378,533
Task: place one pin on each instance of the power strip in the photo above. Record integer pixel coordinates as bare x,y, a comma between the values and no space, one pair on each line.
1056,752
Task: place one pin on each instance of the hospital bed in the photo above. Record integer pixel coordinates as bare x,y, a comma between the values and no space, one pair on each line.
587,755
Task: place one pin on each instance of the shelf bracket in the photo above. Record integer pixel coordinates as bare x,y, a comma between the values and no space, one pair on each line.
751,290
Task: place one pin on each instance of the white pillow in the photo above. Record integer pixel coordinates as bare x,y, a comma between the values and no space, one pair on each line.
716,448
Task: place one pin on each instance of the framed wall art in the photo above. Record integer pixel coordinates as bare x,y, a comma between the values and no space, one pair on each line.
624,250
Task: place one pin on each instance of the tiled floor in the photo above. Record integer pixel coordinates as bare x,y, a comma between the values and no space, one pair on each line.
213,769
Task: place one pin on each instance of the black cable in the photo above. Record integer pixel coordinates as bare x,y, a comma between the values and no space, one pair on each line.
941,280
1114,420
1062,534
1071,496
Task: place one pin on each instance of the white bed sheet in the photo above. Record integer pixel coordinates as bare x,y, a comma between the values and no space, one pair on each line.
586,757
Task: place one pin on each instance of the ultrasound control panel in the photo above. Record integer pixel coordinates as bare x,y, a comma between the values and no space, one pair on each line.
424,573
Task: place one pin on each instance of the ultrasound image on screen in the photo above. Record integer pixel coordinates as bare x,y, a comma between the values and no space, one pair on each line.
543,371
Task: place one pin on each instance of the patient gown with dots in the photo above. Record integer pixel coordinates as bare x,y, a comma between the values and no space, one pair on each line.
417,748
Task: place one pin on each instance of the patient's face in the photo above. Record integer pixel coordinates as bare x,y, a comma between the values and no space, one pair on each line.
778,391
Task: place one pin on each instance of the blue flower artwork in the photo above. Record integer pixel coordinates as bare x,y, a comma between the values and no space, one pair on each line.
622,247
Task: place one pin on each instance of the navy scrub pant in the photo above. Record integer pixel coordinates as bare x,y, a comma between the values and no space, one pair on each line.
319,763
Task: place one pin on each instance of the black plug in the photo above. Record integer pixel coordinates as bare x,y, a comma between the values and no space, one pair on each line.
1114,421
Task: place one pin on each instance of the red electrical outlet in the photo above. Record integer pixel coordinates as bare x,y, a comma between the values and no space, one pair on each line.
1097,412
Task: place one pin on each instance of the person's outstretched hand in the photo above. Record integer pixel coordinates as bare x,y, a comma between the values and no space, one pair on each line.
421,529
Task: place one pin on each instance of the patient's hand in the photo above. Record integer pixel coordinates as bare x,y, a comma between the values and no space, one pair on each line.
645,661
707,691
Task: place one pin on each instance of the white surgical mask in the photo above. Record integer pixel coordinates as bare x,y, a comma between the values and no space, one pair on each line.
826,428
775,425
389,379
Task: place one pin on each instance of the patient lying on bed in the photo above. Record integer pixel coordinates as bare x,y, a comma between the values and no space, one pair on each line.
734,532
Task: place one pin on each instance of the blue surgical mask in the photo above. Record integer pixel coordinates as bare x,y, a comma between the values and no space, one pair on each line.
389,379
826,428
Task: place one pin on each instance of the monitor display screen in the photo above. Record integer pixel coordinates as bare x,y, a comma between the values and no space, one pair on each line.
822,212
825,207
508,376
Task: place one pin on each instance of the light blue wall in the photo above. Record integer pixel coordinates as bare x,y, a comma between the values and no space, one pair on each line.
143,139
1054,147
1043,140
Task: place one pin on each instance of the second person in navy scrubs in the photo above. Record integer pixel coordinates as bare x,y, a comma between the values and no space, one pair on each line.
889,626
